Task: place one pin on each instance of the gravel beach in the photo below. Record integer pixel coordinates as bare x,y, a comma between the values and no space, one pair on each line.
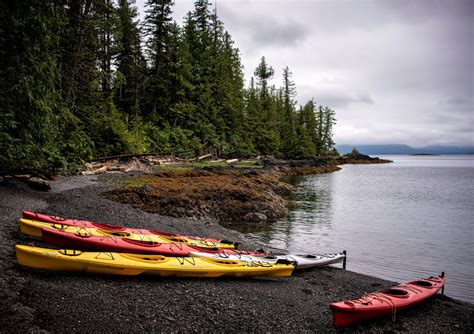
34,301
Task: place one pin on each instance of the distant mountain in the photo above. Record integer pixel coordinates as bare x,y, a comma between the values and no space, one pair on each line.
401,149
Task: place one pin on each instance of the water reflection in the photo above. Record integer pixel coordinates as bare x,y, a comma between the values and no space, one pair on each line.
310,215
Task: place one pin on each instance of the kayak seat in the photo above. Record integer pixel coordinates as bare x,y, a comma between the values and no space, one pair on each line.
83,235
395,292
70,252
145,243
60,227
177,240
423,283
283,261
115,233
145,258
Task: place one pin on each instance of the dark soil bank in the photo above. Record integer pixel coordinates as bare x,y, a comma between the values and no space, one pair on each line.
31,300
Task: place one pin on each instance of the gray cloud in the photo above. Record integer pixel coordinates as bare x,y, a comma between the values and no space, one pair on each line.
279,34
333,99
458,101
397,71
264,30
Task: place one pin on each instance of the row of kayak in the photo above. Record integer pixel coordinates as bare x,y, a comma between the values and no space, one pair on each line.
90,236
109,249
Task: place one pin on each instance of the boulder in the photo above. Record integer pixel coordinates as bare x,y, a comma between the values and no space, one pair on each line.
38,184
255,217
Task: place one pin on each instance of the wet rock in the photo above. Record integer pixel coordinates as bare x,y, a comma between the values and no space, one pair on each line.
255,217
355,157
39,184
23,176
223,195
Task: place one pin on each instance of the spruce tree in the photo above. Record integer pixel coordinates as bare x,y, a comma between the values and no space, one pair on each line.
158,27
289,146
267,137
325,119
130,63
37,130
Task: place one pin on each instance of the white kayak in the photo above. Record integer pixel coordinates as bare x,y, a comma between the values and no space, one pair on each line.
302,261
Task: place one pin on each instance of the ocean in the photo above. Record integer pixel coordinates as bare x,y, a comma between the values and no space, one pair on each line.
401,221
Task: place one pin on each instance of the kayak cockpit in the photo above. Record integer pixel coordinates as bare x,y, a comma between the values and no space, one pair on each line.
395,292
111,233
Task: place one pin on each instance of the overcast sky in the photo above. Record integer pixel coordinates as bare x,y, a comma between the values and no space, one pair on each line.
394,71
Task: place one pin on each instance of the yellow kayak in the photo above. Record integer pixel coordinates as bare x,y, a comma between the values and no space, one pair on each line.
33,228
138,264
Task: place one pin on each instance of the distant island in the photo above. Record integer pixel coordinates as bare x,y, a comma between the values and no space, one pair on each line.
401,149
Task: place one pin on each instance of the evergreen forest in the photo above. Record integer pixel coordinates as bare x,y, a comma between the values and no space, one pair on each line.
82,79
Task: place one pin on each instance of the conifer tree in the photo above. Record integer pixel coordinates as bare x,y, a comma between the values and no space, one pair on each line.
130,63
106,25
183,111
289,145
263,73
325,119
159,30
267,138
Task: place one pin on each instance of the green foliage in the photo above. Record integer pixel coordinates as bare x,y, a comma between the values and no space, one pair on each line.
34,118
77,85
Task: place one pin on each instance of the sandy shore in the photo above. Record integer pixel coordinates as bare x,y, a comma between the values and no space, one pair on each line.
62,303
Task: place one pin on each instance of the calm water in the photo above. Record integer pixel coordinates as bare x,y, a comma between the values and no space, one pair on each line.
400,221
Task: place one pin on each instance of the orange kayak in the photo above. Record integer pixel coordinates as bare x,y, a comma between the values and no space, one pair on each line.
385,302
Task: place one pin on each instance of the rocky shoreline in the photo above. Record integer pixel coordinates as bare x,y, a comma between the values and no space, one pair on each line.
222,193
33,301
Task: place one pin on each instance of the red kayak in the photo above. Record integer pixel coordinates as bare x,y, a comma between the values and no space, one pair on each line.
385,302
110,243
88,224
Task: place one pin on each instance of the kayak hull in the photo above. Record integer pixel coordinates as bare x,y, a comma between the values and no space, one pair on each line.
136,264
33,228
198,241
302,261
385,302
112,243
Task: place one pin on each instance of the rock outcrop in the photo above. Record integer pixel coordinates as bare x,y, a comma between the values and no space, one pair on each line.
237,195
